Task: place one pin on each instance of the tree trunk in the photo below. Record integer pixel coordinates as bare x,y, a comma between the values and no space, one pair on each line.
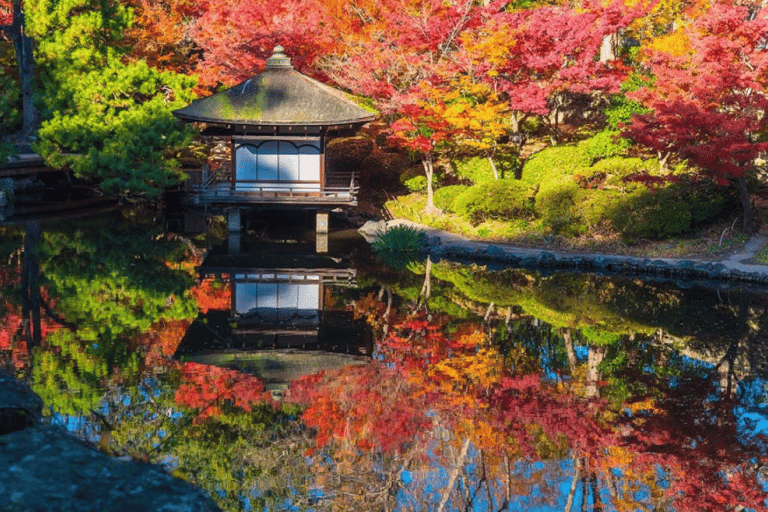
25,59
429,171
493,168
459,464
569,350
594,358
746,224
426,288
30,284
609,47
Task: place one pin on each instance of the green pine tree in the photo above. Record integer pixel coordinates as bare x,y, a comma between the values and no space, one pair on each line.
105,116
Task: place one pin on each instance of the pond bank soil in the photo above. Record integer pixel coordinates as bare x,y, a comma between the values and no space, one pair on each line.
738,266
43,467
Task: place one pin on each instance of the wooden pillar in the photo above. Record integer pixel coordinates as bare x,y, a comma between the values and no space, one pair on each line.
321,231
233,226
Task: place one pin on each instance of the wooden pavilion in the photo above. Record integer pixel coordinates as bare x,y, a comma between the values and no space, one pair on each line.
277,123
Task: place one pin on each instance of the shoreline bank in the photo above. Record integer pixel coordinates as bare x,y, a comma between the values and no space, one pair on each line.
733,268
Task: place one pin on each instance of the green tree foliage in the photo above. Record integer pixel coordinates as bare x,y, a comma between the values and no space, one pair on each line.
69,376
115,281
107,118
10,117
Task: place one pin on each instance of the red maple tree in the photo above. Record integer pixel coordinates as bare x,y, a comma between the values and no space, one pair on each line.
708,96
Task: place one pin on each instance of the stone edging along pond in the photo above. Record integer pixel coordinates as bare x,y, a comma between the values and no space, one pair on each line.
448,245
666,268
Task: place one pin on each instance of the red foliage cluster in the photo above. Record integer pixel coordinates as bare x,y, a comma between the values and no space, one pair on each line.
211,293
207,388
6,12
369,405
708,99
552,49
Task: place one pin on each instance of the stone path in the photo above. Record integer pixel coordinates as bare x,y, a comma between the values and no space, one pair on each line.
736,267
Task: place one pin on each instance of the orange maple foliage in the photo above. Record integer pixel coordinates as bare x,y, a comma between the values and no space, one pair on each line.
212,293
162,339
160,33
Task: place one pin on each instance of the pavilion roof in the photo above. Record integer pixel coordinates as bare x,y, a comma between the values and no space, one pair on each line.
278,96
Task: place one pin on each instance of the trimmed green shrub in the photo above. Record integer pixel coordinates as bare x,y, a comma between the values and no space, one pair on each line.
417,184
445,197
605,144
555,161
707,201
596,205
648,213
477,170
556,206
499,199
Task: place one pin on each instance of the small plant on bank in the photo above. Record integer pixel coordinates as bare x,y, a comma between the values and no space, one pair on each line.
399,246
399,239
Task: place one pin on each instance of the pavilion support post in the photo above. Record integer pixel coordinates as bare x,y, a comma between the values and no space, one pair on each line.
321,231
233,226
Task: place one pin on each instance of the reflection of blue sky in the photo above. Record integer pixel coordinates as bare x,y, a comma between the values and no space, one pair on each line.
752,409
551,481
550,484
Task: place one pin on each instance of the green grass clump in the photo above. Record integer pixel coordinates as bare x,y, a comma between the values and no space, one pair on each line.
400,238
399,246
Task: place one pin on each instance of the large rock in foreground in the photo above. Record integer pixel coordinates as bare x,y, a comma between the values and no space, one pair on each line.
43,467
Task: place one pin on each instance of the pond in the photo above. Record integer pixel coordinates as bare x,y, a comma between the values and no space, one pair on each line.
279,378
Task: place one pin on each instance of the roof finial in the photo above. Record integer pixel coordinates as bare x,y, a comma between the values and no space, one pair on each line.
279,59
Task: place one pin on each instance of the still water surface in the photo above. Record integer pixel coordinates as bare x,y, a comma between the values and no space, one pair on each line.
276,378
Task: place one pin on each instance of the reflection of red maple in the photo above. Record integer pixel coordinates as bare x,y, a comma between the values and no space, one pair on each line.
369,406
163,338
429,382
6,12
711,465
207,388
210,294
11,321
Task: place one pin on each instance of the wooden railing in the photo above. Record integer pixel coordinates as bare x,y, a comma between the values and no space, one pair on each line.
213,187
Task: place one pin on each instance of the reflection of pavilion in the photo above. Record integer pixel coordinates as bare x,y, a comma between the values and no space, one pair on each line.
281,324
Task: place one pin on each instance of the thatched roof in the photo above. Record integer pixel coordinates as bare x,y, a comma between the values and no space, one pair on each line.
278,96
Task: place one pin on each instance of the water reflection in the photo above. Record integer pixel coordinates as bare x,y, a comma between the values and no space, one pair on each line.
282,319
276,377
